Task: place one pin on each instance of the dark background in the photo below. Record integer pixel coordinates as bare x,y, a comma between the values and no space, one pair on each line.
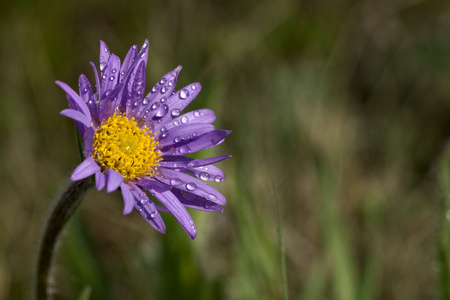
339,111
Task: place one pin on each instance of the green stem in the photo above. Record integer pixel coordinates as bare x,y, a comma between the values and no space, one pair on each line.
62,211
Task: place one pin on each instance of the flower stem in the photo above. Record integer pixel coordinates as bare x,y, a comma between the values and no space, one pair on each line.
61,213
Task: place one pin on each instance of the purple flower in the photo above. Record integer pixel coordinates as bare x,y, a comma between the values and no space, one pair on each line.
136,142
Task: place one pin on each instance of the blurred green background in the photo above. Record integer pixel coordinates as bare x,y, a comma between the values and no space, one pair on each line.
340,116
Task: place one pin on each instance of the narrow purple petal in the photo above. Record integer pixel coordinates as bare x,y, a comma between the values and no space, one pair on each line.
100,180
87,95
129,58
113,181
177,102
146,208
183,133
153,103
97,80
87,168
110,76
104,56
184,161
134,101
196,202
190,184
177,209
205,141
128,199
203,116
81,105
77,116
88,141
208,172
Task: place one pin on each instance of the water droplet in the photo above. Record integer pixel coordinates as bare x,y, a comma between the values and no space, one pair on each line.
211,197
218,178
176,122
163,99
162,111
136,103
163,128
196,114
184,149
184,94
194,134
144,201
204,176
175,112
191,186
155,106
153,214
164,135
170,83
155,88
177,140
175,182
140,210
102,66
145,101
163,80
193,87
112,78
207,206
184,119
163,90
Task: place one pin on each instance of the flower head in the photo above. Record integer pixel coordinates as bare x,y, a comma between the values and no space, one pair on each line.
137,143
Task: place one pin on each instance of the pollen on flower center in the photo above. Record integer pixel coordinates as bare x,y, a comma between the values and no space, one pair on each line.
120,145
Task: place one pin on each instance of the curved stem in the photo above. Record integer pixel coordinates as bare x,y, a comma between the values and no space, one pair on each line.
61,213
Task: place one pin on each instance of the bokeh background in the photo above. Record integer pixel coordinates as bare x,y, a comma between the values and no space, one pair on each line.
340,112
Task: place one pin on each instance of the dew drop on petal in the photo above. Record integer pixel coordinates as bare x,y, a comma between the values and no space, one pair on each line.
184,119
144,201
211,197
184,149
204,176
155,88
163,128
102,66
175,112
177,140
184,94
175,182
191,186
162,111
163,80
163,99
155,106
176,122
170,83
218,178
196,114
163,90
193,87
145,101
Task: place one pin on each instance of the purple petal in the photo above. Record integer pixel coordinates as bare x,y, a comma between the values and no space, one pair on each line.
87,95
190,184
178,211
85,169
104,56
208,172
88,141
183,133
131,55
128,199
184,161
97,80
77,116
100,180
113,181
204,116
110,76
134,101
81,105
146,208
177,102
158,95
205,141
196,202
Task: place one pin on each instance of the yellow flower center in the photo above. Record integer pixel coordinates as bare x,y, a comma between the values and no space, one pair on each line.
122,146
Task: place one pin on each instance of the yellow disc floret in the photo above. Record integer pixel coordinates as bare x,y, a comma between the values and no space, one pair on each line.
120,145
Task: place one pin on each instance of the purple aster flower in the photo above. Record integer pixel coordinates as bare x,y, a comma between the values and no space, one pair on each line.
137,143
